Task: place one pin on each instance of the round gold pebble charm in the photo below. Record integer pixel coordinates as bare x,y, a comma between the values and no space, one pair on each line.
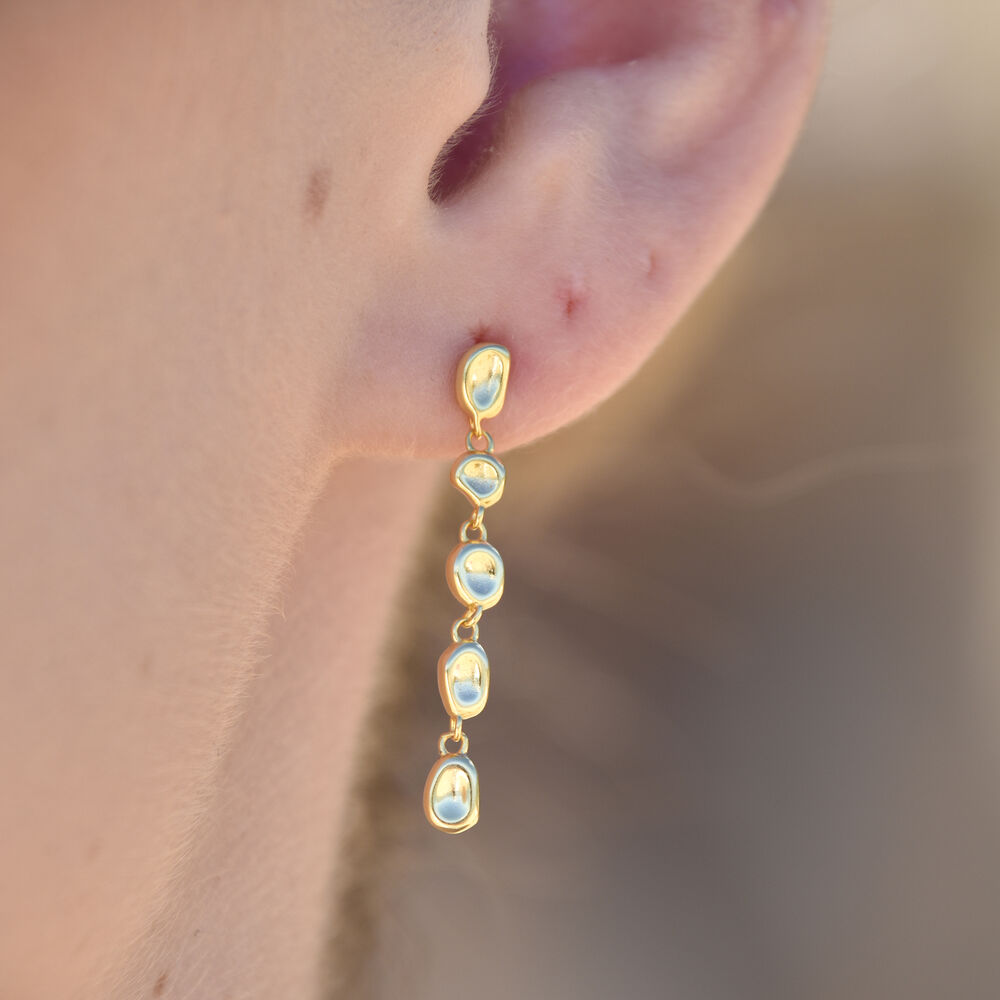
481,382
451,795
480,477
464,679
475,574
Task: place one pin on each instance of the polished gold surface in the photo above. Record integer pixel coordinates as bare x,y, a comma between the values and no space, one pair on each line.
481,381
451,794
479,477
475,574
464,679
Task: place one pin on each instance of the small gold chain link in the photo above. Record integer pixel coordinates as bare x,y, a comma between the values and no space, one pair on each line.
470,525
463,742
473,435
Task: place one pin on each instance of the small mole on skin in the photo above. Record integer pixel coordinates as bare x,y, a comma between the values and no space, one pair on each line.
161,985
317,192
650,264
572,294
571,302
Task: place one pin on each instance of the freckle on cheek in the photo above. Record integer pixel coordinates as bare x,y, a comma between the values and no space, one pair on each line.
161,985
317,193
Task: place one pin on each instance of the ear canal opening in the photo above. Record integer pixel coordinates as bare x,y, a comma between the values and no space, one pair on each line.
466,152
470,147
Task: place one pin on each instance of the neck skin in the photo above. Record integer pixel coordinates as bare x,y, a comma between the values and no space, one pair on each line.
248,911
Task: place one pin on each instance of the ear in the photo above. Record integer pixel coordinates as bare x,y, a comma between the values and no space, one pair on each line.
630,145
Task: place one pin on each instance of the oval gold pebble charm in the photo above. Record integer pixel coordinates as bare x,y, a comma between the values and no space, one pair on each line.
480,477
451,795
474,571
464,679
481,381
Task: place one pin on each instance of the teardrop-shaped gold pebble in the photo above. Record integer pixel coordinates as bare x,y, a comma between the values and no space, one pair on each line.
482,377
474,571
464,679
451,794
480,477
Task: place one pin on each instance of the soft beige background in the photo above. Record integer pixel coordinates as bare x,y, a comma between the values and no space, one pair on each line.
744,735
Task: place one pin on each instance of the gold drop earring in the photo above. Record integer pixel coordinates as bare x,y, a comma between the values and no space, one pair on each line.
474,571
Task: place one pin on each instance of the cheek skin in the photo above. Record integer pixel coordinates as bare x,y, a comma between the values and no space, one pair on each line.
194,228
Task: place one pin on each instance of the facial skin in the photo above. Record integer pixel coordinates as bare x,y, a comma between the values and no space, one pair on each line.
230,317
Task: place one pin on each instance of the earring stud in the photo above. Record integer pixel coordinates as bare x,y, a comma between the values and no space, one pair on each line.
475,574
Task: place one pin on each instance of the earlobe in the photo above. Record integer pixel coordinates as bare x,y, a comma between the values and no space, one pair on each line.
619,180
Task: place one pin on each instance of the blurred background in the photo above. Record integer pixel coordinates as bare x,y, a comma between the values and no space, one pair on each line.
743,738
